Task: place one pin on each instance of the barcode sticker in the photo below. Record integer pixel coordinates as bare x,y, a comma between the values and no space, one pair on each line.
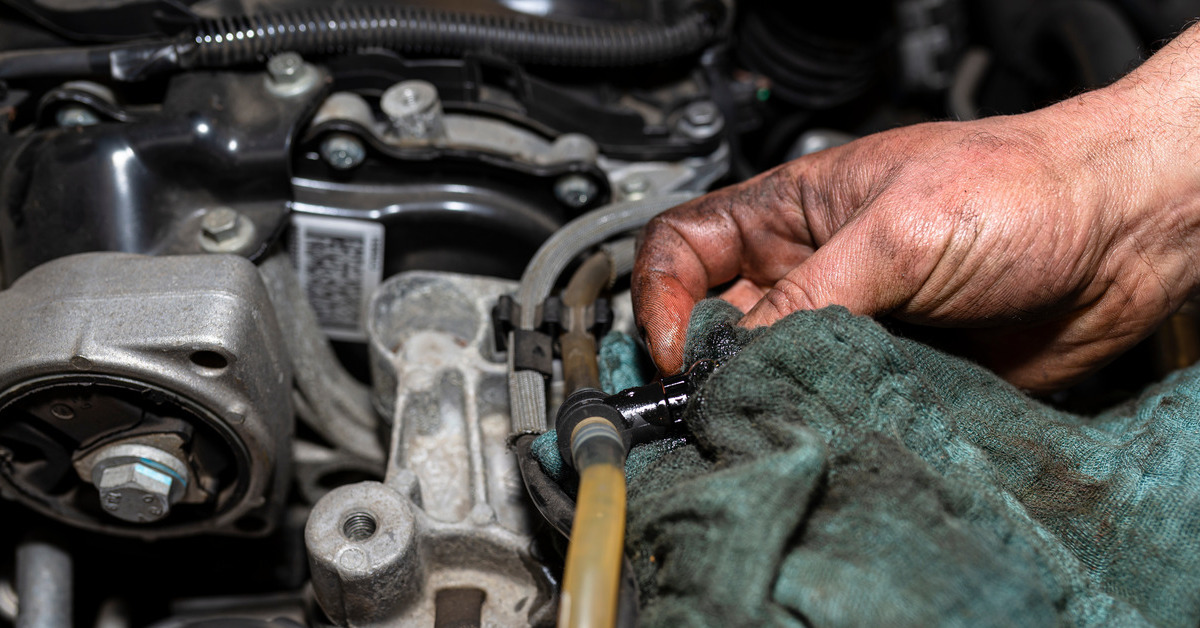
340,263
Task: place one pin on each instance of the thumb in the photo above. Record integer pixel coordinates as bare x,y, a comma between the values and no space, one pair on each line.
860,268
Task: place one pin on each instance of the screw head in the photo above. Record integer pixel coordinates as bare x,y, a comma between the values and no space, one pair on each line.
285,67
76,115
575,190
343,151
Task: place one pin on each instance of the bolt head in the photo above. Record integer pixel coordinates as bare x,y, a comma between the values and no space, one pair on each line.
135,492
575,190
413,109
407,98
76,115
285,67
342,151
702,113
220,224
635,185
288,75
701,120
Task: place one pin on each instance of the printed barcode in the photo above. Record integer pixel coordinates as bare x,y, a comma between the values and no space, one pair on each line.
334,277
339,262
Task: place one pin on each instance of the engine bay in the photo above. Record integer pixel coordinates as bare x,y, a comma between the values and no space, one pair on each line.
288,286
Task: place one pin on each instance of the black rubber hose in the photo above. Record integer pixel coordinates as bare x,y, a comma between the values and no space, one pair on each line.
432,32
229,41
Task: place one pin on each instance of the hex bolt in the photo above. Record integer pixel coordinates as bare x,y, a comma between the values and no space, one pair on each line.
138,483
285,67
414,110
135,492
702,113
75,115
575,190
224,230
701,120
289,75
343,151
220,224
635,187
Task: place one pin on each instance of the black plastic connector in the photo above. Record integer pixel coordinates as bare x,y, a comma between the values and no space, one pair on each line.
504,318
579,406
641,414
533,351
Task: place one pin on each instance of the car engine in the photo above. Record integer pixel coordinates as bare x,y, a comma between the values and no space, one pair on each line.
282,301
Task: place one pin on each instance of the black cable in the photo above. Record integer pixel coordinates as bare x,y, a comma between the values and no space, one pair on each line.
556,507
234,40
559,510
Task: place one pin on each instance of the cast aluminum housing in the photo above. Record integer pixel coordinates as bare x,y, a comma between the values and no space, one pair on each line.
191,340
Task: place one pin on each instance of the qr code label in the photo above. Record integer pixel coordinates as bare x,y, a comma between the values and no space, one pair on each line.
340,263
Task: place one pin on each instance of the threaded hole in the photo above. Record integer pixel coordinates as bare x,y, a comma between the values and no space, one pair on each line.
359,526
409,95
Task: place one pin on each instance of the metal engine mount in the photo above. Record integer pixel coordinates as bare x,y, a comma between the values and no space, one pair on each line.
448,536
145,396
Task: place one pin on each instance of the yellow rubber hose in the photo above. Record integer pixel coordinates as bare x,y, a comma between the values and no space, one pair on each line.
593,570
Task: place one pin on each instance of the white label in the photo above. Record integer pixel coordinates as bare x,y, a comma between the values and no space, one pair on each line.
340,263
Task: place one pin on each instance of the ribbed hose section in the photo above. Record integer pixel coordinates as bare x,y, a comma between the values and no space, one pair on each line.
430,32
527,396
527,389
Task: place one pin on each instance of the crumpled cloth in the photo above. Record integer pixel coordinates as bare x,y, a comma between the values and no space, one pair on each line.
838,475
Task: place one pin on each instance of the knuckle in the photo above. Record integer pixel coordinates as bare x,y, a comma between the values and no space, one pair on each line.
790,296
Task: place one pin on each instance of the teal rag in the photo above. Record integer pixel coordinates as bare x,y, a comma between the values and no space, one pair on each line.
841,476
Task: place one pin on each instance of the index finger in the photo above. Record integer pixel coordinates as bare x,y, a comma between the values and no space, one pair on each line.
756,229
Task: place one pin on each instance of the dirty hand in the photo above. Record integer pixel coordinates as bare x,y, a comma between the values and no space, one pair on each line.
1054,239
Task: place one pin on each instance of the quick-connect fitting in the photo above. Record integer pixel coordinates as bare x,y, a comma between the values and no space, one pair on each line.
585,417
638,415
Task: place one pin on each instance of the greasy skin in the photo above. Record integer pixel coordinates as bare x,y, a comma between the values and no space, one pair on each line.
1050,241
